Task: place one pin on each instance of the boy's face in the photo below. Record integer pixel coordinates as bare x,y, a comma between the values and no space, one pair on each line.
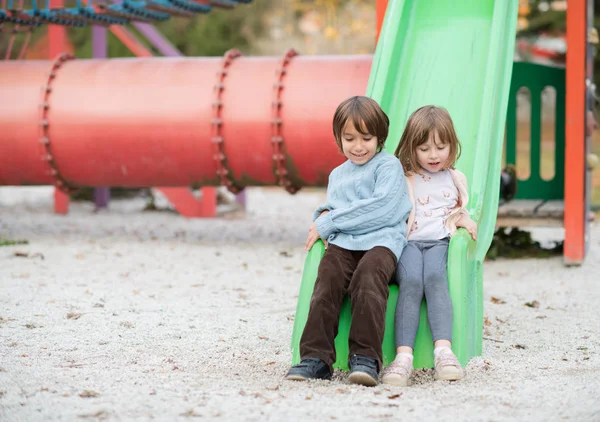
433,154
357,147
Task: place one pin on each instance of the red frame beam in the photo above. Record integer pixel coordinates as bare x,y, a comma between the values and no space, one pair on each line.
57,44
380,15
574,218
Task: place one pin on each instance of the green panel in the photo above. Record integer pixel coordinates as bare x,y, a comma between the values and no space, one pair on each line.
457,55
535,78
511,127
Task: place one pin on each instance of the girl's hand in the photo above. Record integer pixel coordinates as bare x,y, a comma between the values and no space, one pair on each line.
470,226
313,234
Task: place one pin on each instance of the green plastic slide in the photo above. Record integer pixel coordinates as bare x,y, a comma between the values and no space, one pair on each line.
457,54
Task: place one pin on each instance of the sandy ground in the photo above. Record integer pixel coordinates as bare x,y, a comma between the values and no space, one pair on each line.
129,315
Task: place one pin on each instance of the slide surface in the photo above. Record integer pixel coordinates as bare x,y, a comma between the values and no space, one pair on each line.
459,55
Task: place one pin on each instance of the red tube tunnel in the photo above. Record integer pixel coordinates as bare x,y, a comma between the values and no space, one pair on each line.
151,122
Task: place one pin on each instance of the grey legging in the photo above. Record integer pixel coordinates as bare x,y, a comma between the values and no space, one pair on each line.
422,270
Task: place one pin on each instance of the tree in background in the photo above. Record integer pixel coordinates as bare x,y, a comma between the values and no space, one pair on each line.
320,27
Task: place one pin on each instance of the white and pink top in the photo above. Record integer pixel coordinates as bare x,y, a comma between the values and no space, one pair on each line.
438,201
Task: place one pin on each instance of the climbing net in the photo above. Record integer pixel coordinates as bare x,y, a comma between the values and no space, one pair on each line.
77,13
17,17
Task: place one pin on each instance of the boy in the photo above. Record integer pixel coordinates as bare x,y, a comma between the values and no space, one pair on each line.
364,225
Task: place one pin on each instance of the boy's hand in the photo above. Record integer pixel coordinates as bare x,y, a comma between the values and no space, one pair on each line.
470,226
313,234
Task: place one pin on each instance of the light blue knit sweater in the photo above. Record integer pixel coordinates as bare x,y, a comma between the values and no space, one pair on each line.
369,205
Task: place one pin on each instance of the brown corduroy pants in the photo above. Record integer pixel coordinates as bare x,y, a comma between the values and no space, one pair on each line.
364,276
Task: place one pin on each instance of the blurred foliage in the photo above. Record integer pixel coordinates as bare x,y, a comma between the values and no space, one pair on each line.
554,22
12,242
516,243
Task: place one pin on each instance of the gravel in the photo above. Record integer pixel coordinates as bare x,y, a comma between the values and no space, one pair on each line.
126,315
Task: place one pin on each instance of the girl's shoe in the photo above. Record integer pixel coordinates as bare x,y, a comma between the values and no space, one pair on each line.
398,373
447,367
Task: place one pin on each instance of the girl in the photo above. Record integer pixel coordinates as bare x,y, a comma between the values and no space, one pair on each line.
428,151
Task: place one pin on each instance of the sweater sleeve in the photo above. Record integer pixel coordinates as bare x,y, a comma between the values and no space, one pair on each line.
366,215
319,210
327,206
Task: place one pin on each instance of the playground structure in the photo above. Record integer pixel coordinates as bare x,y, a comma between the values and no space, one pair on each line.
197,129
112,17
105,14
538,201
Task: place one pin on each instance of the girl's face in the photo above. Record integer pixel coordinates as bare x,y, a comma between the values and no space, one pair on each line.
357,147
433,154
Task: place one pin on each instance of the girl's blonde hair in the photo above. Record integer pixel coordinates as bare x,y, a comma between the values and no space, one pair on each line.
421,124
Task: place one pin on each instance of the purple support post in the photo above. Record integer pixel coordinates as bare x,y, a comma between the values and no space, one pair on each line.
153,35
167,49
241,198
100,51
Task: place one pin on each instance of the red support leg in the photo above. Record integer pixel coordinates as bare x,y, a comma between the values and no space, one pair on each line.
574,219
61,202
188,205
57,43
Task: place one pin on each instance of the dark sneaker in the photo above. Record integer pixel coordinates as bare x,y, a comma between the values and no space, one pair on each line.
311,368
363,370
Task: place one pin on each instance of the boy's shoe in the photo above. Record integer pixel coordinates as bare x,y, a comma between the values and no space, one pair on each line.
363,370
310,368
447,366
398,373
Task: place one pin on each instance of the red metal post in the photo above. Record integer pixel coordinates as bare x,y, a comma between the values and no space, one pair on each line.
380,15
574,218
57,44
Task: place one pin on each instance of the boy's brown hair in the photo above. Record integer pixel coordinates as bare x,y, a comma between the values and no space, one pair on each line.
421,124
366,115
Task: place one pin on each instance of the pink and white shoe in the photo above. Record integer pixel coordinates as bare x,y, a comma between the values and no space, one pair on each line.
398,373
447,366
